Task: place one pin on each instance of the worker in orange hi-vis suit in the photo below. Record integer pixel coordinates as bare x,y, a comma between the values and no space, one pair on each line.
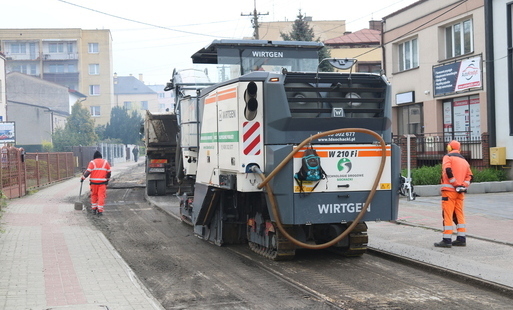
99,172
456,178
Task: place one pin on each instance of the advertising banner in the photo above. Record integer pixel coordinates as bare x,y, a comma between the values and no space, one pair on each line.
457,76
7,132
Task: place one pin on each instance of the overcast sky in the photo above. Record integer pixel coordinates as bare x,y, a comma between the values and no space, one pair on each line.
152,37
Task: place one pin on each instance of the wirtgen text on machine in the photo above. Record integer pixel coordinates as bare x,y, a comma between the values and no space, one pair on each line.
331,208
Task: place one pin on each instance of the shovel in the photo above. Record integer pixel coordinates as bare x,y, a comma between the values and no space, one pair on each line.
78,205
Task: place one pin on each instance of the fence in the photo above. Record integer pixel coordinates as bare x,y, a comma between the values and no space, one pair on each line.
22,171
429,149
46,168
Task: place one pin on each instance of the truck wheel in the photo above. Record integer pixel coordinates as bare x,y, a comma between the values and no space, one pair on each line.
151,187
161,187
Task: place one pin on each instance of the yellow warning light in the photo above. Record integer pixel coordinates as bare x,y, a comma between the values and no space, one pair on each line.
274,79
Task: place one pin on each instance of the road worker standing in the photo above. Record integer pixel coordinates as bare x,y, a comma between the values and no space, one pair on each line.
99,172
456,178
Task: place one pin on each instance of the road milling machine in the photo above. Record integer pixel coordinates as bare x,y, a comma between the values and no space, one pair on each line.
279,155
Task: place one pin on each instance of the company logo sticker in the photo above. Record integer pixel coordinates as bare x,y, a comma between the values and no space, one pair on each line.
344,165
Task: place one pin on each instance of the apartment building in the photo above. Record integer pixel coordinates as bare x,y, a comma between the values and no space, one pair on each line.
434,52
78,59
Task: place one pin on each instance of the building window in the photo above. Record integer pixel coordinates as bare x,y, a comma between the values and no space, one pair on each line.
410,120
71,68
162,95
56,68
94,69
70,47
56,48
93,48
33,69
127,105
94,90
144,105
95,110
408,55
18,48
459,39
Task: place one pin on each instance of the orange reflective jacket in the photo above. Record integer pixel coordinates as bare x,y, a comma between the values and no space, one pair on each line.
460,168
99,170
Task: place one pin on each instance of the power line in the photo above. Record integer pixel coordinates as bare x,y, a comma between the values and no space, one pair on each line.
136,21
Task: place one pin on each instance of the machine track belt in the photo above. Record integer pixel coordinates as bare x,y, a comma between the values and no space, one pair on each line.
358,240
285,249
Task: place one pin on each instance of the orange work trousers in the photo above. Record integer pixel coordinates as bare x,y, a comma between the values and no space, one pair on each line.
453,213
98,195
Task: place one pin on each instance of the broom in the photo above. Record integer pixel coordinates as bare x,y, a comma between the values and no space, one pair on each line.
78,205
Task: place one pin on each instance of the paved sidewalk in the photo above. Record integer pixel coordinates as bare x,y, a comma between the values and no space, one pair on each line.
52,257
489,247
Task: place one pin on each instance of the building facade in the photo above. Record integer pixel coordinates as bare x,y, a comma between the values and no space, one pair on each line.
166,99
132,94
363,45
434,53
78,59
37,108
499,22
3,98
323,29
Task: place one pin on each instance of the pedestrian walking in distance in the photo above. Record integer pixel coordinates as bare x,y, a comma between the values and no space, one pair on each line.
135,150
98,172
456,178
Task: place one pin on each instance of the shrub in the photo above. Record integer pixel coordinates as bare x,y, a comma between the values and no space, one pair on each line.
431,175
489,175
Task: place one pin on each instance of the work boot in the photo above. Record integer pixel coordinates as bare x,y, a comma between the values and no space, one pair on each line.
94,211
460,241
445,243
100,213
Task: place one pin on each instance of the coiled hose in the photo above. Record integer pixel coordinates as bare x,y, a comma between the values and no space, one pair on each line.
275,211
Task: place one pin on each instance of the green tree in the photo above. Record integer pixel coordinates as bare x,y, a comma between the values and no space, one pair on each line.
301,31
123,126
79,130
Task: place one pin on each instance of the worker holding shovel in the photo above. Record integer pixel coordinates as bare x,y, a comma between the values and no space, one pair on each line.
99,172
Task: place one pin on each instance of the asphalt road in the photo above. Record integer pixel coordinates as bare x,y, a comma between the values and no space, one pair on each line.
184,272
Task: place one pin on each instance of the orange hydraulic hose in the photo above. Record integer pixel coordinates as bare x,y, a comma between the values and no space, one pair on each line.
276,214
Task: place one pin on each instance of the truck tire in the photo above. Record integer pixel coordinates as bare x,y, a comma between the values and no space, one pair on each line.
161,187
151,187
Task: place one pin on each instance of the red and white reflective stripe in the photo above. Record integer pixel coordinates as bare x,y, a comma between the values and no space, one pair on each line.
251,138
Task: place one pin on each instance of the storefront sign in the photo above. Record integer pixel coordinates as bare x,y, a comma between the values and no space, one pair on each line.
457,76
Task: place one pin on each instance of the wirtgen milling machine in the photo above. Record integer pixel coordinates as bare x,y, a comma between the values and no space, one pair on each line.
283,156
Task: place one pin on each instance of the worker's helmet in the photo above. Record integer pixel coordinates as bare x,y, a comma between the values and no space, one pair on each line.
453,146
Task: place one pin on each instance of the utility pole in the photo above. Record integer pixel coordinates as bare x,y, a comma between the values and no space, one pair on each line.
254,21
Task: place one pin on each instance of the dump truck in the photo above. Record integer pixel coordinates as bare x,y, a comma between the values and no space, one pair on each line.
160,131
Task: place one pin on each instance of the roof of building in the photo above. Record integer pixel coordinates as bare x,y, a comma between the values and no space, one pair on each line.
364,36
130,85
